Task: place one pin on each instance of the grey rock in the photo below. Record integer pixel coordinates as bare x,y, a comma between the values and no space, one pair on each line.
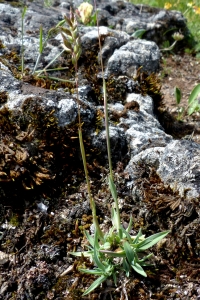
113,39
67,112
8,82
117,142
129,18
177,164
128,58
145,102
180,167
142,136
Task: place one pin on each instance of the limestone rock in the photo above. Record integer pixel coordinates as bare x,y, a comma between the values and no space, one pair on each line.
180,167
128,58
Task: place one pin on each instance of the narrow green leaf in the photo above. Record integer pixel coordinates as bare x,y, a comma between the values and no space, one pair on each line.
40,42
195,92
141,261
113,253
151,240
95,284
139,269
89,238
138,33
130,225
193,107
114,217
126,267
96,240
112,188
92,272
177,94
136,240
129,252
127,235
97,261
114,278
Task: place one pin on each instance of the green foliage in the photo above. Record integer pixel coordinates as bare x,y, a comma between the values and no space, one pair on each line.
129,251
190,10
193,102
138,34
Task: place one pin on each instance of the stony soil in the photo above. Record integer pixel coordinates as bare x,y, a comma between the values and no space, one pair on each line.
182,71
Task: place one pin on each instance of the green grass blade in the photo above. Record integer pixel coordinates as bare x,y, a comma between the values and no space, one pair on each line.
112,188
151,240
113,253
129,252
138,33
95,284
137,268
40,41
194,107
178,95
126,267
195,92
96,240
98,262
136,240
127,235
89,238
130,225
92,272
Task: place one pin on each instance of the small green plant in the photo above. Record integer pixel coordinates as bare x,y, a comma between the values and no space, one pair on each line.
193,102
116,250
177,37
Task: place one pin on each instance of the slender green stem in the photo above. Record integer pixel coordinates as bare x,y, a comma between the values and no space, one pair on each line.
56,78
92,203
22,50
111,180
38,58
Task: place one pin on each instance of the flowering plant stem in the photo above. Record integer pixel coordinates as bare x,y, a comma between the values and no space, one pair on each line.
71,44
111,181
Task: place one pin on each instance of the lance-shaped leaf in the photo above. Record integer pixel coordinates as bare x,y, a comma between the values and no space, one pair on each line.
139,269
195,92
97,261
95,284
177,94
151,240
129,252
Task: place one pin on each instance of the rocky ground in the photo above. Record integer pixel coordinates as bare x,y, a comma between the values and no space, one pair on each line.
37,235
182,71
